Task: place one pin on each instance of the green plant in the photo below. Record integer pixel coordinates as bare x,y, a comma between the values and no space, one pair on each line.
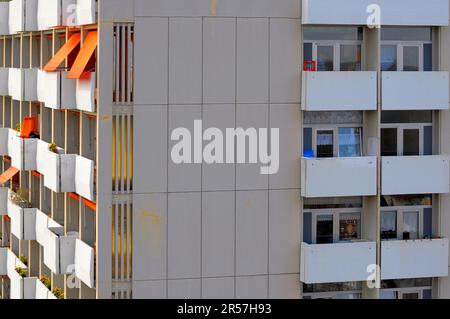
18,127
22,272
47,282
53,148
24,260
58,293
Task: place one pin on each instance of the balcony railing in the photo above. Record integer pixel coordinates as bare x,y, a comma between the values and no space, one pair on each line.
341,262
415,91
355,12
22,84
339,177
405,259
4,80
403,175
339,91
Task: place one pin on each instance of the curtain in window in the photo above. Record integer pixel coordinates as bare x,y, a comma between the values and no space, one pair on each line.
349,142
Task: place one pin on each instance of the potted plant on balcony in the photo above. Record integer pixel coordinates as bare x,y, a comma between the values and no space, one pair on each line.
59,294
47,282
53,148
18,200
22,272
24,260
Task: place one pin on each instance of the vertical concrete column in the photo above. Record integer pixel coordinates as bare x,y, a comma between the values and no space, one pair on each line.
372,147
33,260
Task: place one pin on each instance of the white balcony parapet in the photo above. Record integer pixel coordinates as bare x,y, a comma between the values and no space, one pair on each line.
341,262
22,151
86,12
415,91
404,259
4,19
84,177
42,292
402,175
55,90
23,218
23,16
4,191
4,74
339,91
339,177
55,13
392,12
22,84
85,263
85,93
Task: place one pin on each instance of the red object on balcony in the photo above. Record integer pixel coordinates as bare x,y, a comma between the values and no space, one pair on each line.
8,175
310,65
29,125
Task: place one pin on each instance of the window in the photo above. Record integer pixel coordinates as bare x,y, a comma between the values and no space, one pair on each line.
406,222
406,139
327,141
334,48
406,49
333,225
349,142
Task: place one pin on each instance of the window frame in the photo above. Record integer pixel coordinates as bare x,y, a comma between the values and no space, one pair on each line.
336,44
399,211
336,213
408,126
400,45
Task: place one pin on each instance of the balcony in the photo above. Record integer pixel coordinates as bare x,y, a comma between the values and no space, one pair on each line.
21,150
415,91
20,288
4,18
403,175
23,16
85,93
22,84
342,262
414,259
4,80
55,90
339,177
339,91
393,12
86,12
23,217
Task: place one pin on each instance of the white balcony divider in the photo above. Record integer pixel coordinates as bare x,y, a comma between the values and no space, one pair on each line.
415,91
4,91
84,177
85,93
84,263
22,84
339,91
23,16
342,262
403,175
339,177
4,19
23,218
426,258
86,12
393,12
22,151
55,90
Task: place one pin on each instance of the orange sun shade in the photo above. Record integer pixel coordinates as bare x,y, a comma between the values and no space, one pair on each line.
30,125
86,52
63,53
6,176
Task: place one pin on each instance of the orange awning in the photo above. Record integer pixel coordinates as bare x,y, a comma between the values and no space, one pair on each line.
83,58
63,53
9,174
30,125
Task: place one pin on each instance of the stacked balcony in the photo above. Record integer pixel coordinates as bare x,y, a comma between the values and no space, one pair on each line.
39,15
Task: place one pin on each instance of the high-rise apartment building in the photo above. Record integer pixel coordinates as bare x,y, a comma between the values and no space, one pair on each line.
93,204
